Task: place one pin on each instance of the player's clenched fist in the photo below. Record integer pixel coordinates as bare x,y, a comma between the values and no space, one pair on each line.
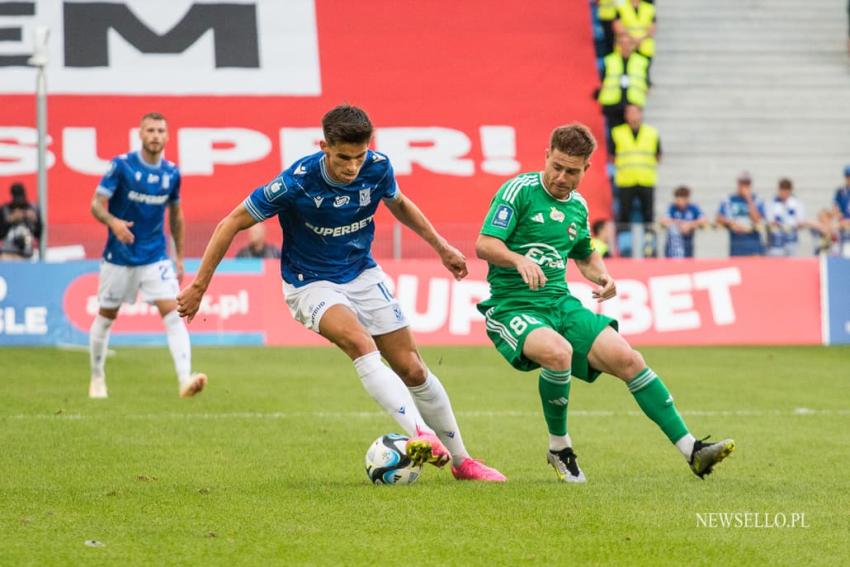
454,261
608,289
189,301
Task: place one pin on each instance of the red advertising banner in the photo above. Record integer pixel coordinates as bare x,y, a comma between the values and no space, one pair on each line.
660,302
463,96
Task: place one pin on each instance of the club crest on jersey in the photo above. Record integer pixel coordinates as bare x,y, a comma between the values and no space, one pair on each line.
572,231
318,200
556,215
166,181
341,200
502,217
365,196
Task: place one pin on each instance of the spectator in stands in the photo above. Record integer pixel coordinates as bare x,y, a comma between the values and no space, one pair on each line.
683,218
20,225
841,204
626,81
637,18
601,237
257,245
636,152
742,213
785,216
825,233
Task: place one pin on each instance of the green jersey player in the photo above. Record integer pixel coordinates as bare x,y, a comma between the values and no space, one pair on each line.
537,221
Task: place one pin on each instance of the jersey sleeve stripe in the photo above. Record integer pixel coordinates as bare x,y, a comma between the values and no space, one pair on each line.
101,190
515,187
506,194
253,210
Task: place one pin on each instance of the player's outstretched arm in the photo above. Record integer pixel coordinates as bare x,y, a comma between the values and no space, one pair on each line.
412,217
496,252
189,300
593,269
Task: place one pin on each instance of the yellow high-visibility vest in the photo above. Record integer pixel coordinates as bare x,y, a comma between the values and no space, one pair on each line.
637,23
635,72
607,10
635,157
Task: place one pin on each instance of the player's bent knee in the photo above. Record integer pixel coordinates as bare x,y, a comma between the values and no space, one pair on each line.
108,313
558,356
413,374
632,363
356,345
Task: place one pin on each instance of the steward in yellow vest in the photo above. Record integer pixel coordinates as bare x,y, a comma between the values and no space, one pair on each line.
626,81
637,151
637,18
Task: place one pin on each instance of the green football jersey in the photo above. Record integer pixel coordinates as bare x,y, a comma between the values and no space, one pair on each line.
532,222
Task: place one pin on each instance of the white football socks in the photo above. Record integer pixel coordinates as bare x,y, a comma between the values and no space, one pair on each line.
434,405
179,345
389,391
685,445
559,442
98,342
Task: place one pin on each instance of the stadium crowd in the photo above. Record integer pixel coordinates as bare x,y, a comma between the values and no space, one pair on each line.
625,46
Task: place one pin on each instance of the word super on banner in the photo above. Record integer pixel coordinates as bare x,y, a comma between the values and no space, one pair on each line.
463,94
746,302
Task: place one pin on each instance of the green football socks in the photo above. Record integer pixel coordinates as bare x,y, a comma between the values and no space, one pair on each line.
655,400
555,395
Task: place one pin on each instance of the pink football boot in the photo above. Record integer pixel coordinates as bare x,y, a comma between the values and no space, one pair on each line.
426,447
470,469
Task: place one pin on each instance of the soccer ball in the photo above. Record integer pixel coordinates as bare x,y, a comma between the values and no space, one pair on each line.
387,461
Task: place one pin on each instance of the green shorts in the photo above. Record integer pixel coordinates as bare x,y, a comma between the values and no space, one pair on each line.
508,325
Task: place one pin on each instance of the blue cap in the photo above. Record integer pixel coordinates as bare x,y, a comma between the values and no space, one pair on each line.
847,170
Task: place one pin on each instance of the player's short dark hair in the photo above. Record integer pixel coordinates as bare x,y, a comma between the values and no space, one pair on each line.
682,191
153,116
347,124
574,140
785,183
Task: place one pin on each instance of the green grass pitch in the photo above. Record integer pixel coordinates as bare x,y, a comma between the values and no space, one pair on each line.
266,466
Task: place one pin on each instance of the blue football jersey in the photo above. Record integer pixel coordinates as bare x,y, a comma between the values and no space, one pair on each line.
328,226
139,192
735,208
689,213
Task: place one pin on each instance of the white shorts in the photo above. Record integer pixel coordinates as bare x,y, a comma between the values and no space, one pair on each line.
120,284
366,295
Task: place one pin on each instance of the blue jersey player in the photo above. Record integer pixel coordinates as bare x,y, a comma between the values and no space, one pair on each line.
325,204
131,200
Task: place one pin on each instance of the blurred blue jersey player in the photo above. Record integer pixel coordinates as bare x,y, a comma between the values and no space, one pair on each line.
325,204
131,201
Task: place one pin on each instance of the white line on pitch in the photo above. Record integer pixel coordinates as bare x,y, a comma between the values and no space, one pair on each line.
375,414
